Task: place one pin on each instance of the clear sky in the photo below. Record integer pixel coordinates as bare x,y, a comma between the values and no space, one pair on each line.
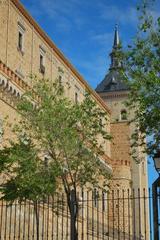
83,30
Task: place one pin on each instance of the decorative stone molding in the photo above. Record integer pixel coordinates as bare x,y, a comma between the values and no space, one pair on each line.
114,95
9,87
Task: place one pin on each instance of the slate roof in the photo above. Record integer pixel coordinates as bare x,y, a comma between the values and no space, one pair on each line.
113,81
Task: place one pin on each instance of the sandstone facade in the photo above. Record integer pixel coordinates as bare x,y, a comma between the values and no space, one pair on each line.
22,44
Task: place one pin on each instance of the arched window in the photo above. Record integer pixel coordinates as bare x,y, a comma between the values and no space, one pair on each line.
123,115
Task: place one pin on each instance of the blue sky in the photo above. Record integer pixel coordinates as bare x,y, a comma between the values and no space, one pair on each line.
83,30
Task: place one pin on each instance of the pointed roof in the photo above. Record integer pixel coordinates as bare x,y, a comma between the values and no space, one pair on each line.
116,37
114,79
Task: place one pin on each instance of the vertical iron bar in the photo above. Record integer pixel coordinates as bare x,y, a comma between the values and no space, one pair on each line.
33,217
150,214
124,221
57,214
92,215
5,224
87,215
139,210
134,216
77,222
158,203
155,210
52,215
82,203
10,222
108,211
103,209
145,227
48,206
67,230
62,214
128,198
118,214
19,226
24,220
15,212
43,220
1,223
113,210
29,218
97,214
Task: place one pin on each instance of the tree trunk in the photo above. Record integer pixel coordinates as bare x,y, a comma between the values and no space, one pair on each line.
73,206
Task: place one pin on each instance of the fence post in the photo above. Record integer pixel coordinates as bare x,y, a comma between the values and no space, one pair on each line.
73,211
155,186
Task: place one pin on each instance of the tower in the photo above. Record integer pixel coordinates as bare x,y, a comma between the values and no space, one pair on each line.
114,92
127,174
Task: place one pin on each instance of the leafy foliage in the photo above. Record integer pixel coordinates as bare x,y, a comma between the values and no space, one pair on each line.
27,175
143,71
67,133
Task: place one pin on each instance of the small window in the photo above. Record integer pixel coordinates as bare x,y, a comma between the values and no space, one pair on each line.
20,41
42,67
21,31
60,79
76,97
42,59
123,115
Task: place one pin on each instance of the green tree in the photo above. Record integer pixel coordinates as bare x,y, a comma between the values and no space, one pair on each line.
143,72
68,134
27,176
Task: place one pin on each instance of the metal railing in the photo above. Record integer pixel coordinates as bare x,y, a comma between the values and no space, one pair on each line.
117,214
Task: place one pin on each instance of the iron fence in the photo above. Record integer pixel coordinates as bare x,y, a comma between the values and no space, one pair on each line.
117,214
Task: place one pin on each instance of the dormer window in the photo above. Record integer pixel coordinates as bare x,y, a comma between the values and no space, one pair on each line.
123,115
42,60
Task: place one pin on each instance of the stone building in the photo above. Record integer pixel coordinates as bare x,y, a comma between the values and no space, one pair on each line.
26,49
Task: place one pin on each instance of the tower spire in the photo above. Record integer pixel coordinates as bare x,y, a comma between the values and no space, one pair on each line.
116,37
115,61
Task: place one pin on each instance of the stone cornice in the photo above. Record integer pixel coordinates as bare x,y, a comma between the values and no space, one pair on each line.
114,94
12,87
10,80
